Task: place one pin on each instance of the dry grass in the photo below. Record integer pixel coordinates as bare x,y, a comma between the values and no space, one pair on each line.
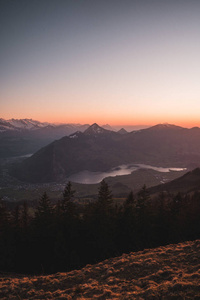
171,272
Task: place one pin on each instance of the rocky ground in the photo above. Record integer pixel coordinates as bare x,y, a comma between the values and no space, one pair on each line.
171,272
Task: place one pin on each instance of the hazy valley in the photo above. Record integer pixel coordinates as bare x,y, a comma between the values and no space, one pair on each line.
127,159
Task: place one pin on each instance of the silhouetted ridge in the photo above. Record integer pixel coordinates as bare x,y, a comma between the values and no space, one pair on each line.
95,129
164,126
122,131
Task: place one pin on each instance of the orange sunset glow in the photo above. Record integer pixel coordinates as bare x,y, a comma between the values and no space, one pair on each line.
122,63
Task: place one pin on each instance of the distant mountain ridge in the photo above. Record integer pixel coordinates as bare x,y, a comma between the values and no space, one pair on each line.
165,126
23,136
95,130
30,124
98,149
122,131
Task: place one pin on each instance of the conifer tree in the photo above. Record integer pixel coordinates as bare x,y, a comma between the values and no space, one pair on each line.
16,217
104,221
44,209
130,200
67,206
104,201
142,217
44,233
4,216
176,204
24,215
6,245
161,219
142,199
127,224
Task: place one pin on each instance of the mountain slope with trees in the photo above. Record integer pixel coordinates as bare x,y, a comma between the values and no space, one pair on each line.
189,182
63,235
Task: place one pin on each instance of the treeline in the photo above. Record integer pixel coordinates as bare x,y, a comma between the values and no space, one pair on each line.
64,236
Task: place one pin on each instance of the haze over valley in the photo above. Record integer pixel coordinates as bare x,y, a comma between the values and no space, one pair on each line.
129,160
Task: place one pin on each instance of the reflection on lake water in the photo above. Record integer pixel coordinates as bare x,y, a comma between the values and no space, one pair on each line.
88,177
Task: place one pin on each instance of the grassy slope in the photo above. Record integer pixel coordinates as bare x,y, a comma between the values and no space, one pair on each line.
171,272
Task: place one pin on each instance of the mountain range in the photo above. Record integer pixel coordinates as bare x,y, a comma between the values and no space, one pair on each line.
32,125
23,136
99,149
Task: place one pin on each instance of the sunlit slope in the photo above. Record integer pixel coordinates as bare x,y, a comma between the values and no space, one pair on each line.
170,272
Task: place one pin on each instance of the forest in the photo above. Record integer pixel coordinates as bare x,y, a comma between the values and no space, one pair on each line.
62,236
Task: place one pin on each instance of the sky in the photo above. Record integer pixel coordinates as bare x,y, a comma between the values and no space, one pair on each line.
107,61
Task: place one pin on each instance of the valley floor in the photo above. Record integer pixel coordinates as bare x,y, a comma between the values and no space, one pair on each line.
170,272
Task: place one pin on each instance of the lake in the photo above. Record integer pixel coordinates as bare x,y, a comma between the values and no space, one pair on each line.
88,177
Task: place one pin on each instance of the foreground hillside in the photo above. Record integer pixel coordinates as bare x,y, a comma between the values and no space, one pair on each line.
170,272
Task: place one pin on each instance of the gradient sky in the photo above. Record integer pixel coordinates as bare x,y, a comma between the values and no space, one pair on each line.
116,62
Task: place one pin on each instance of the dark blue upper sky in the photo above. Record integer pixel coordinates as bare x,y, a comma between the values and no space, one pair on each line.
107,61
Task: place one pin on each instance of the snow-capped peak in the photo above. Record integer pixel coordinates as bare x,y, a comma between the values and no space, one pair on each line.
26,124
75,135
21,124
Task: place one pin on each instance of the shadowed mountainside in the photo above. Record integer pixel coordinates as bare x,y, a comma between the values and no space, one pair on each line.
170,272
98,149
95,149
189,182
